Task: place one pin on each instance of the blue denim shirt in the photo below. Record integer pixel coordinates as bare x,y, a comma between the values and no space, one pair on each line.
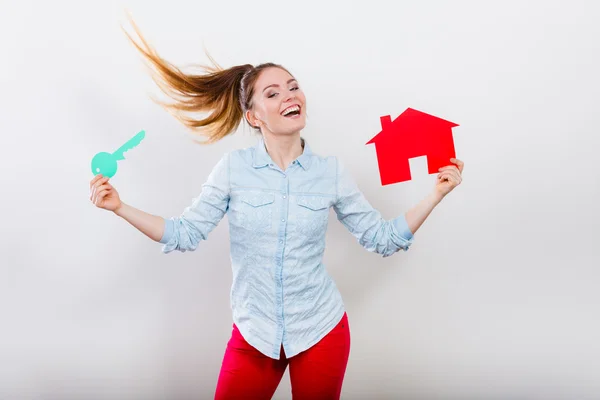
281,292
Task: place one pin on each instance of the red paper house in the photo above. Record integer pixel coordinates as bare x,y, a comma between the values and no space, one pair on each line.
412,134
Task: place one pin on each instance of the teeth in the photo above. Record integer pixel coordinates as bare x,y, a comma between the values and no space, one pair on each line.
289,110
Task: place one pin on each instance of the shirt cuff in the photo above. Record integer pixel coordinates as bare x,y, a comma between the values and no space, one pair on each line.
168,233
402,228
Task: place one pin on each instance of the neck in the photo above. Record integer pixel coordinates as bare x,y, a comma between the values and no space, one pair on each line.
283,149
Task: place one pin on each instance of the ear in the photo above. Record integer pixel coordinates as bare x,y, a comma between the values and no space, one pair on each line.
254,121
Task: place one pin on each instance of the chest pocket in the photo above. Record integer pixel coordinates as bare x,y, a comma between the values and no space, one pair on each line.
256,210
312,214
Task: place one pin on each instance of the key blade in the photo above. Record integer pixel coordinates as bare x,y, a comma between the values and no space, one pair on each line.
130,144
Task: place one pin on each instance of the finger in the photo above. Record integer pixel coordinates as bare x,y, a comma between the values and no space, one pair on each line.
443,177
92,192
103,187
459,163
454,170
98,183
454,174
455,177
457,173
451,180
101,181
94,196
100,196
450,176
95,179
97,190
448,167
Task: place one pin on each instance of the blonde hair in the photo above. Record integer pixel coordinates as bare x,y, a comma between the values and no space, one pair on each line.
225,93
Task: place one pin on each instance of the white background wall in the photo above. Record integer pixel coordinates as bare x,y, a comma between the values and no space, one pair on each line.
498,297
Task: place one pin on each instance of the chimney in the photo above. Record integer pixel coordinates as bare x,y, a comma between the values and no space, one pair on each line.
386,122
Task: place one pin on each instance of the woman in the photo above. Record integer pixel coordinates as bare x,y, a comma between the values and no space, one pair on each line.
277,195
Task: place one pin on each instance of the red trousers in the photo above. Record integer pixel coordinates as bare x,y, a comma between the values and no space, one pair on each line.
315,374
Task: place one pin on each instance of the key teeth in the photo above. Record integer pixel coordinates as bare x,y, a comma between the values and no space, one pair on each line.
130,144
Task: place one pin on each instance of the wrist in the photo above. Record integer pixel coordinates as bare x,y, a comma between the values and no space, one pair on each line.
437,197
119,209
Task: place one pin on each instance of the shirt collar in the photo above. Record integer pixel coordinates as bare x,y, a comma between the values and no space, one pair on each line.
262,158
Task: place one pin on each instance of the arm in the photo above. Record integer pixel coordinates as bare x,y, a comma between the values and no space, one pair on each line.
419,213
372,231
449,177
184,232
105,196
364,222
150,225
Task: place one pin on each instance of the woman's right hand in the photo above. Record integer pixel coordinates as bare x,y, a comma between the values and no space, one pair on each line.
103,194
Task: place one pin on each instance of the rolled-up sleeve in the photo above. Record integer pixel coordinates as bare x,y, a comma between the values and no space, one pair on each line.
364,222
185,232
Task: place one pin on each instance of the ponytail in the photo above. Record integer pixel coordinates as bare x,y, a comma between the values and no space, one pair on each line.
225,93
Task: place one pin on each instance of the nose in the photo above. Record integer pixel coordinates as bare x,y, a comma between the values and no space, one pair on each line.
290,96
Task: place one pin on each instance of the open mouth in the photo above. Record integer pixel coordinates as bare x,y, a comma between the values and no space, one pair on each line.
292,111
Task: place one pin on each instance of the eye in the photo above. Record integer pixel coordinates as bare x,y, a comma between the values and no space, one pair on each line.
295,88
272,95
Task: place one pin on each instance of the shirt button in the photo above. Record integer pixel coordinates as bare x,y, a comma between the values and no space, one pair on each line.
281,242
283,220
284,197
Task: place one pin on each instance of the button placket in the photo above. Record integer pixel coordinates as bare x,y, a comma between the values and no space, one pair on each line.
281,250
285,208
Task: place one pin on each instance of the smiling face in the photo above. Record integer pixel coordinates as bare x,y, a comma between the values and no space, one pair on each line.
278,104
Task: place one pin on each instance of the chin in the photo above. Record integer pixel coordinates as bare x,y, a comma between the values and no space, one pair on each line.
295,129
291,127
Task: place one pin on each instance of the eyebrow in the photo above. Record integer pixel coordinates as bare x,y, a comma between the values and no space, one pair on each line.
276,85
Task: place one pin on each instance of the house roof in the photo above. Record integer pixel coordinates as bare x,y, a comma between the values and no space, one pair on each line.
408,117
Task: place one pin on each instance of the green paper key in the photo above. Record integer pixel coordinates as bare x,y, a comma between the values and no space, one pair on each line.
106,163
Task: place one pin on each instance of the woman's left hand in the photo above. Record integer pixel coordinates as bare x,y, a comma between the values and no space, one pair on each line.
449,177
